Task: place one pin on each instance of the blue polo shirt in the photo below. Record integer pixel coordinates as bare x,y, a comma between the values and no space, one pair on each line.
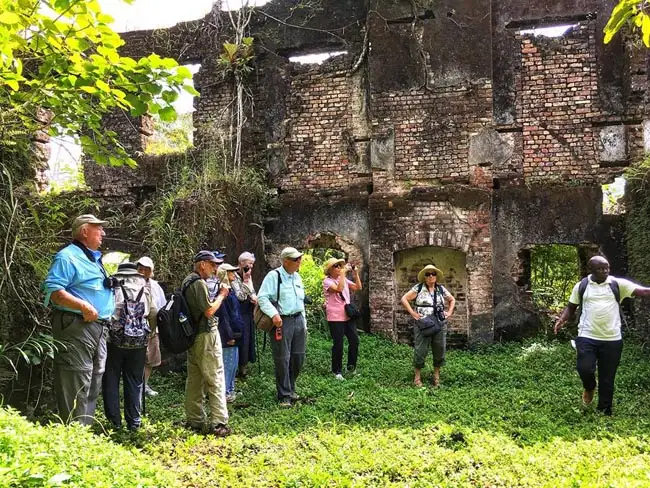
292,293
75,273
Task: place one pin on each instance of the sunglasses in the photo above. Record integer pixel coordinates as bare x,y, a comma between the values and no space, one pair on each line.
246,269
337,265
430,274
295,260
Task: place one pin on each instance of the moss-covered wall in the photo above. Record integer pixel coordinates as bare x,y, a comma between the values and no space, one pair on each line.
637,236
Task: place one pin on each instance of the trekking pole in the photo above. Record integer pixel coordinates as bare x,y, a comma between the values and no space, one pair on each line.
143,396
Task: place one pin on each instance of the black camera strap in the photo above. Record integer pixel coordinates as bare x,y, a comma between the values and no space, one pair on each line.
91,257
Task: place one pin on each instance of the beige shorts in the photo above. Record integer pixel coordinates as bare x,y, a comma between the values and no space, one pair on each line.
153,352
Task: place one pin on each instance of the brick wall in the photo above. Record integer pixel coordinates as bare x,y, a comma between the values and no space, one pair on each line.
432,128
556,100
421,219
320,141
412,162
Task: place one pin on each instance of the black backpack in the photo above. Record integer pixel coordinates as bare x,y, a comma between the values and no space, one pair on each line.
176,327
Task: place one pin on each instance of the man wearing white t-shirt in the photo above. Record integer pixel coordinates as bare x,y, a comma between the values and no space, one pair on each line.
599,343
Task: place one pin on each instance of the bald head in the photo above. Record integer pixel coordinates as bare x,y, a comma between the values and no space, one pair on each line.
599,268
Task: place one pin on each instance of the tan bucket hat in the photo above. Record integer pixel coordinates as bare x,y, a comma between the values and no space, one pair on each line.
430,267
331,262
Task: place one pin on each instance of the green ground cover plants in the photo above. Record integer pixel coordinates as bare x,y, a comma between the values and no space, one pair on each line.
505,415
33,456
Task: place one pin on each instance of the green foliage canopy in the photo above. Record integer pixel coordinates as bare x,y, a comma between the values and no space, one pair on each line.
554,269
62,56
633,12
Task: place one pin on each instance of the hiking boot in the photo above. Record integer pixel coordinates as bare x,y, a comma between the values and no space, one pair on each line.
231,397
436,379
285,403
294,397
221,430
588,396
150,391
197,429
339,377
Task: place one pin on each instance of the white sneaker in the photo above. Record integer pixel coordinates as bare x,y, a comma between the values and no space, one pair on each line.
150,391
339,377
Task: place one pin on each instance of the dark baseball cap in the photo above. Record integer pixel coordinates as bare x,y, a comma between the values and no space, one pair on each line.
205,256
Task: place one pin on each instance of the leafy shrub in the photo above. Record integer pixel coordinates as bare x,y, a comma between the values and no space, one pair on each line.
554,270
312,277
56,455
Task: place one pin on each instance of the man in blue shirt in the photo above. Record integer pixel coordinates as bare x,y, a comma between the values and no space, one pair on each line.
81,295
289,334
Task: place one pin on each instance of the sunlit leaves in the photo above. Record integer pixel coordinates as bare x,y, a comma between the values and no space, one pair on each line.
236,58
631,12
68,63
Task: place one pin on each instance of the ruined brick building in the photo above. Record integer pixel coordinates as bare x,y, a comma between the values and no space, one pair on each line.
445,134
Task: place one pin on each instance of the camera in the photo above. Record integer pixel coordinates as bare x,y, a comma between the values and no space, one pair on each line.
111,282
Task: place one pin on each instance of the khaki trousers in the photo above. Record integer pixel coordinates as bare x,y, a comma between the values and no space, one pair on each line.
205,374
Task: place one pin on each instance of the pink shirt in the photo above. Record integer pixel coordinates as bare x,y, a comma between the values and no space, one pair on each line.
334,305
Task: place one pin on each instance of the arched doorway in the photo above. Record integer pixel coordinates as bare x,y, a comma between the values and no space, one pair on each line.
409,262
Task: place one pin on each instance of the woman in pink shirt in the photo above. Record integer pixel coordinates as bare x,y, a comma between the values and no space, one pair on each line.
336,288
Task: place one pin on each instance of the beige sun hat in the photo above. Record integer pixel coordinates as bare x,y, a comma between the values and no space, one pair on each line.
331,262
430,267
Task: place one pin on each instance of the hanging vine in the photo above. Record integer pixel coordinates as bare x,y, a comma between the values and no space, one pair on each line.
235,61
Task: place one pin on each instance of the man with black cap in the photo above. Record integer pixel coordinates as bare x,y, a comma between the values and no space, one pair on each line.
287,311
81,295
205,369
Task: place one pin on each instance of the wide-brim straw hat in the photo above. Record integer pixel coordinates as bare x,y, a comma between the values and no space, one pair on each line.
331,262
430,267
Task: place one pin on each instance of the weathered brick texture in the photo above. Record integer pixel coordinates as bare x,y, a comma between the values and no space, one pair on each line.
419,149
432,129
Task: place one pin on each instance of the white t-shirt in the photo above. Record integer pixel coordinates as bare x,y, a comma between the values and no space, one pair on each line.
600,318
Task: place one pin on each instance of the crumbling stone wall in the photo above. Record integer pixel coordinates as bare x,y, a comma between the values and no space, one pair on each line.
442,127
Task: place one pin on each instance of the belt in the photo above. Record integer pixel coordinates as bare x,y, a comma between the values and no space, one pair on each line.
291,315
103,322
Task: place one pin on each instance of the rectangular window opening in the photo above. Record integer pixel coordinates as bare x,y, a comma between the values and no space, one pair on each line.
613,193
549,30
315,58
65,164
177,136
